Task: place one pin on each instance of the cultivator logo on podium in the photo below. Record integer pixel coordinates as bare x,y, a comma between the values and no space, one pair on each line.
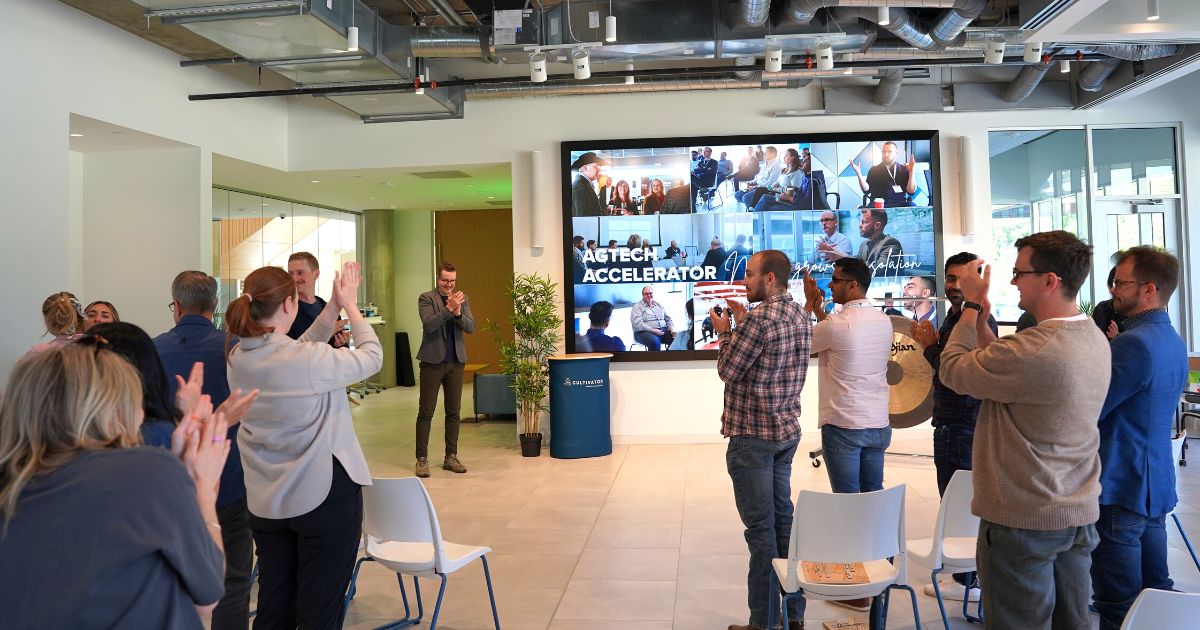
583,382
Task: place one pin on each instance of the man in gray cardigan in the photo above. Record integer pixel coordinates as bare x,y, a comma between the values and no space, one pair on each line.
1036,449
445,316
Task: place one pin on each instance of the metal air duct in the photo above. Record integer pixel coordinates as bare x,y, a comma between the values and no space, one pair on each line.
1026,81
889,86
754,13
1092,78
954,21
903,25
437,41
803,11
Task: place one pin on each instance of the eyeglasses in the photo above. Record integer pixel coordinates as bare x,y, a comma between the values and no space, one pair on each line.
829,220
444,281
96,341
832,280
1117,284
1017,273
171,306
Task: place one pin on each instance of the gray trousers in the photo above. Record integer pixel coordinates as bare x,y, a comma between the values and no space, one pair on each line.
447,377
1035,580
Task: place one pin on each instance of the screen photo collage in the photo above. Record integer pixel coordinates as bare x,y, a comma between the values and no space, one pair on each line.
663,252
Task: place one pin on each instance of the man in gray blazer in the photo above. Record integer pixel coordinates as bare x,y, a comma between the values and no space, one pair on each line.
445,316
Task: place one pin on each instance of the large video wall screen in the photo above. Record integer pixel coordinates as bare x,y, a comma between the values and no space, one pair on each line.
657,232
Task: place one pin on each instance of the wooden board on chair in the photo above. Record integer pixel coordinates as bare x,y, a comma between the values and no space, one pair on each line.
835,572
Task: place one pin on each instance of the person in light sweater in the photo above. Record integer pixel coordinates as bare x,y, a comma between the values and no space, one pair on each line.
1036,449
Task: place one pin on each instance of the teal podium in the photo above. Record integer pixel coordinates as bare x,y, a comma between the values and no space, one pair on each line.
579,407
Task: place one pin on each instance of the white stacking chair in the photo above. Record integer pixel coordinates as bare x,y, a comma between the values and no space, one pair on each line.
1177,455
866,527
403,534
1158,610
952,548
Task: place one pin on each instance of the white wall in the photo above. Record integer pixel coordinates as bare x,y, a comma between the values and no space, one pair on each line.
323,137
131,200
55,61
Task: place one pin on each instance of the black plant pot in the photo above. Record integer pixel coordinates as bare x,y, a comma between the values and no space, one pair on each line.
531,445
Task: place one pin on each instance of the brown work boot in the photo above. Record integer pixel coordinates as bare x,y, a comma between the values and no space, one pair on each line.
453,465
861,604
422,467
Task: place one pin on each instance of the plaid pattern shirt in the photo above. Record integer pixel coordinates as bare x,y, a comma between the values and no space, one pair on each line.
949,406
763,364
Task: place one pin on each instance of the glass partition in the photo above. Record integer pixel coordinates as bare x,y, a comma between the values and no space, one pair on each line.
252,231
1134,162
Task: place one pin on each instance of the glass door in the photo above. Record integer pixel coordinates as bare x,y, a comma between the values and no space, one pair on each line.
1121,224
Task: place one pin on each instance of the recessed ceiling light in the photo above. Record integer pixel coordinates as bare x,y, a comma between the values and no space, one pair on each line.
371,198
491,197
76,135
314,181
393,207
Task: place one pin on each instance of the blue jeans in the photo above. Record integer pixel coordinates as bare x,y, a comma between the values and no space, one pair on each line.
653,342
761,471
1034,580
1131,556
952,445
854,457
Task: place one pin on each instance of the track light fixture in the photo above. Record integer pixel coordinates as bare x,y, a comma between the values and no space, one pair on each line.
537,67
1064,66
629,80
884,15
581,64
1152,10
1033,52
824,56
774,59
994,53
352,38
610,29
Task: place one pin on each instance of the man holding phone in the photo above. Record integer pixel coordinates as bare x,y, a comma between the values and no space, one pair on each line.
445,316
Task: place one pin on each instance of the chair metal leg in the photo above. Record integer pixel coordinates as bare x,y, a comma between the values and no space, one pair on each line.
878,611
351,589
967,600
1186,542
937,591
487,575
437,608
408,619
913,596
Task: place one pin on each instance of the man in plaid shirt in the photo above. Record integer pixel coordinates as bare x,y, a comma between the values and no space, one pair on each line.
763,364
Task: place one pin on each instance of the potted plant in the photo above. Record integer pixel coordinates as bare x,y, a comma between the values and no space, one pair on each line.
536,329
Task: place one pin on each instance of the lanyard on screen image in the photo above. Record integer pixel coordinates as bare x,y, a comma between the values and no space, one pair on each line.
892,173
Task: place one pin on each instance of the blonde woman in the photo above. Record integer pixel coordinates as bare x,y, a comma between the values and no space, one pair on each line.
304,467
95,531
63,315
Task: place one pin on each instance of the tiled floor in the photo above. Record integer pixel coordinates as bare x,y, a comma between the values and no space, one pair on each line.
644,539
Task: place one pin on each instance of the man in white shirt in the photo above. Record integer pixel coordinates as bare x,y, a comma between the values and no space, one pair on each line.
767,174
853,348
832,244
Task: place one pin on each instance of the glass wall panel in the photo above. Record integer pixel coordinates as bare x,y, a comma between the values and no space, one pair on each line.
252,231
1133,162
1038,182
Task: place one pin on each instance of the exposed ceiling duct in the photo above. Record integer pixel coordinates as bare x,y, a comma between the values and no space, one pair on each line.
1026,81
889,86
1092,78
954,21
803,11
903,24
438,41
754,13
744,75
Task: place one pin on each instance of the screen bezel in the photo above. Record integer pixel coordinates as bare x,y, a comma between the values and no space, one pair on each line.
568,146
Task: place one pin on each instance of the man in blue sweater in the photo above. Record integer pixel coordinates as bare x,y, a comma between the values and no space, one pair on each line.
1137,478
195,339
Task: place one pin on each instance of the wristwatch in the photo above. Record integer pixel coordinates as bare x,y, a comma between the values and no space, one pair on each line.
974,305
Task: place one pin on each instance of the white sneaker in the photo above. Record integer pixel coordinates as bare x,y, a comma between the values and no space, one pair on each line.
951,589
